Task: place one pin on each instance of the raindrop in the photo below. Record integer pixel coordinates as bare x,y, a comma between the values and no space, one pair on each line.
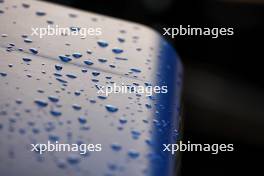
111,108
77,55
24,36
18,101
76,107
112,66
4,35
61,164
54,138
87,62
135,134
102,43
123,120
133,154
75,29
116,147
58,67
73,159
40,13
49,126
121,40
102,97
122,31
95,73
3,74
41,103
33,50
82,120
61,80
112,166
25,5
72,15
40,91
135,70
50,22
35,131
117,50
89,51
26,59
27,40
77,93
72,76
57,75
92,101
84,70
22,131
121,58
148,106
29,75
102,60
55,113
64,58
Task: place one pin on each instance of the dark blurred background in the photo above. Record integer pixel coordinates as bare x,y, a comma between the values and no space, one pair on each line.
224,87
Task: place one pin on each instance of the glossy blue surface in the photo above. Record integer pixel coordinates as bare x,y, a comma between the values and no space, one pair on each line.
49,91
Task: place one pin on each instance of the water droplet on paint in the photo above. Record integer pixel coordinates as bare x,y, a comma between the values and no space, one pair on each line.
40,13
41,103
76,107
77,55
61,164
116,147
58,67
117,50
87,62
102,43
123,120
3,74
61,80
54,138
55,113
33,50
111,108
121,58
121,40
72,15
25,5
148,106
73,159
26,59
27,40
72,76
95,73
102,60
102,97
136,70
133,154
77,93
135,134
82,120
64,58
